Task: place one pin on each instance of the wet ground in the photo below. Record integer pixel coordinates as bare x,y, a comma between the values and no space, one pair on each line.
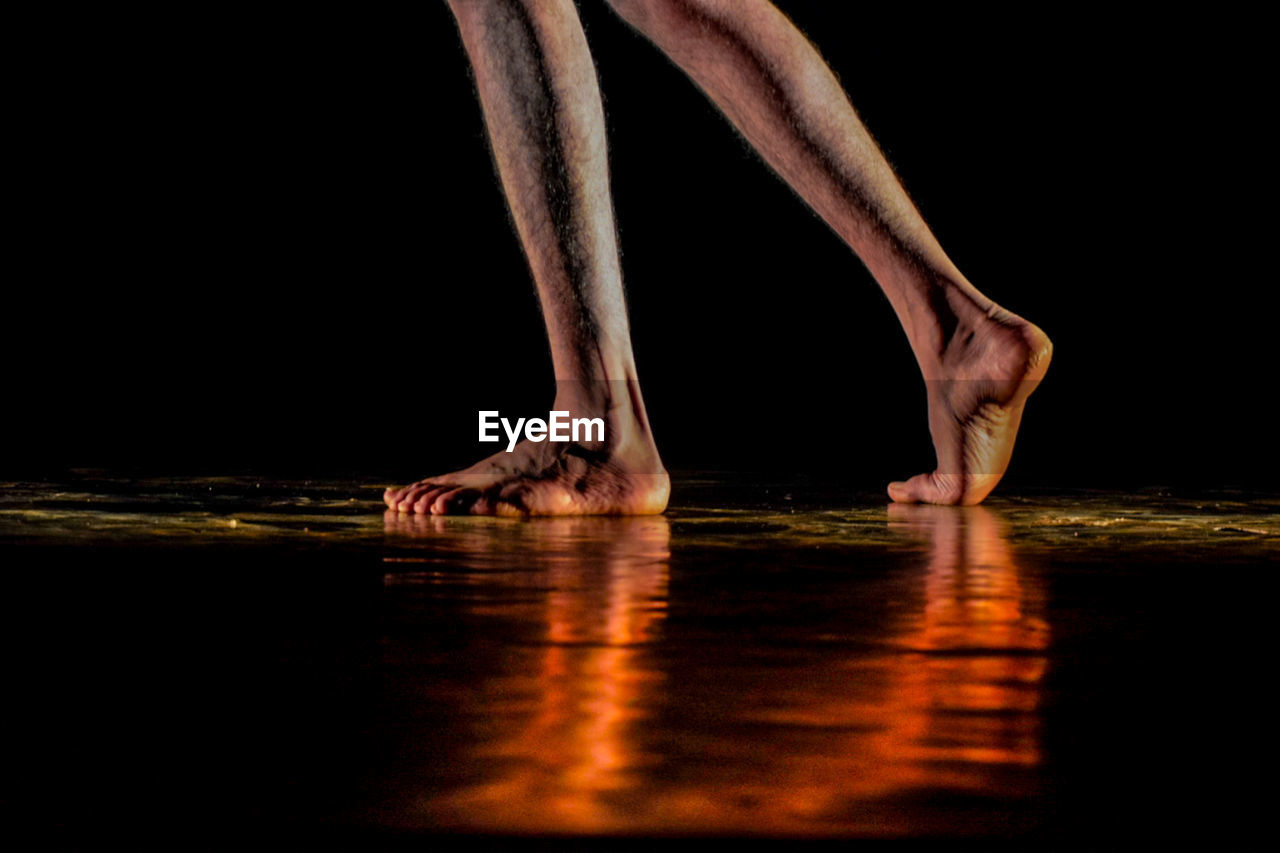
768,659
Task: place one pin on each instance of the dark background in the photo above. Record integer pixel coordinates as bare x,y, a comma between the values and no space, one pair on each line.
275,242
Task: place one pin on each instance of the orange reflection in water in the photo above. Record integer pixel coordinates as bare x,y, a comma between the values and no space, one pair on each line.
588,735
867,743
981,640
572,740
963,697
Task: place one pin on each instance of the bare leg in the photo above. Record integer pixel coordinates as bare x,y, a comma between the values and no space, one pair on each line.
546,125
980,362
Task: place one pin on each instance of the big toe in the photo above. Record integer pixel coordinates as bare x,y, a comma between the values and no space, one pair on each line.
905,492
926,489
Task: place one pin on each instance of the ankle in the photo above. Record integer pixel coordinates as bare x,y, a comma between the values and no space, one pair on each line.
617,402
962,312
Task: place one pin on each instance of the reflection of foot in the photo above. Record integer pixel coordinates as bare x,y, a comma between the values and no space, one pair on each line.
566,708
977,389
586,541
959,536
622,477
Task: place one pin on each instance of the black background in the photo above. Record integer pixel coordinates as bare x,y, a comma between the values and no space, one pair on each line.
275,242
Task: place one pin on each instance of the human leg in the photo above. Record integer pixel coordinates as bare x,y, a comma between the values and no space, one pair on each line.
542,108
979,361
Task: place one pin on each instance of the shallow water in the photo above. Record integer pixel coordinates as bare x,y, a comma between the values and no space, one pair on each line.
767,659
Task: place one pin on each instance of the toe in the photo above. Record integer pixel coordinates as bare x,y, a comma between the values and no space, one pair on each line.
927,488
899,492
916,490
454,502
424,500
462,504
409,497
923,488
487,501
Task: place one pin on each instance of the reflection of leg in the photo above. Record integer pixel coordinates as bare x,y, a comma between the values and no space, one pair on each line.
979,361
562,744
975,596
608,569
542,109
979,640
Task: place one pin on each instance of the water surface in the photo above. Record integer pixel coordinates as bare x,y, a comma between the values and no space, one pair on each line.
767,659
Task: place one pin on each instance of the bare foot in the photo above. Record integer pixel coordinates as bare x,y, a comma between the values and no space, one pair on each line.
622,476
977,388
